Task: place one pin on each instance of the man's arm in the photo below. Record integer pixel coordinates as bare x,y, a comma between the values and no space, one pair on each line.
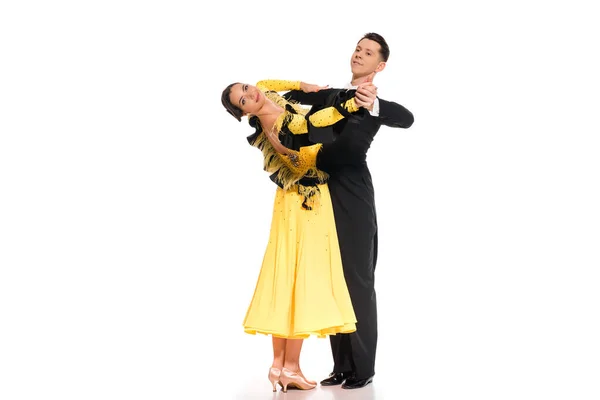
309,99
394,115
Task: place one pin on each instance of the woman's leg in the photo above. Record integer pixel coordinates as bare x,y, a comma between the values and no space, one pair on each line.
279,347
278,361
292,357
292,354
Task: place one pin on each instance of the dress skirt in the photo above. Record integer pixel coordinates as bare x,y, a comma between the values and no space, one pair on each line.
301,290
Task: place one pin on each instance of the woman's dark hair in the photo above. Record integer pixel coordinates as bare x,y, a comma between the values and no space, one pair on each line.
385,49
229,106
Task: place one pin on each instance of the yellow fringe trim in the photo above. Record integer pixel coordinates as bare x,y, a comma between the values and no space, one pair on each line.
281,102
290,172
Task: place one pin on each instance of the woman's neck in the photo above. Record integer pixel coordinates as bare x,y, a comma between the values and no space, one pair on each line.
269,114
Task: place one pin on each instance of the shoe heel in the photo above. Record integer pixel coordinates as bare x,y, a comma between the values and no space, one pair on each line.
274,374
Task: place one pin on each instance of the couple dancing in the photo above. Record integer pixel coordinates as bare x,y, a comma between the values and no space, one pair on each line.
317,275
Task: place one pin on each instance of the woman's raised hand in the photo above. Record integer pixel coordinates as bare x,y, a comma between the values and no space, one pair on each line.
308,87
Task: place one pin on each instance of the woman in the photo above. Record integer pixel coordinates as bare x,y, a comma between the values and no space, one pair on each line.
301,290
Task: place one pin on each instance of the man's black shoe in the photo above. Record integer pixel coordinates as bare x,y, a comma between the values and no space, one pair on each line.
335,378
353,383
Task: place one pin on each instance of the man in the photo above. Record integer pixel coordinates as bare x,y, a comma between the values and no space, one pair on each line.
353,199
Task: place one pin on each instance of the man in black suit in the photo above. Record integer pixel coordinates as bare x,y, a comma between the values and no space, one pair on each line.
353,199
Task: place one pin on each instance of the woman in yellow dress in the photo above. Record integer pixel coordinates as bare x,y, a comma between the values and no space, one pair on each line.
301,290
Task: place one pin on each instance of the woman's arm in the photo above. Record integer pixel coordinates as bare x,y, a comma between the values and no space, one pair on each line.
298,162
278,85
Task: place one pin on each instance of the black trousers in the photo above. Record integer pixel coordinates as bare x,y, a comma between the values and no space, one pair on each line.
356,222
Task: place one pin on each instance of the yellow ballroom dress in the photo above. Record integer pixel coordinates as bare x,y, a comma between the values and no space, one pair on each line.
301,289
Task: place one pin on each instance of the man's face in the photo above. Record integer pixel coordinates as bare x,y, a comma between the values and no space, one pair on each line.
366,58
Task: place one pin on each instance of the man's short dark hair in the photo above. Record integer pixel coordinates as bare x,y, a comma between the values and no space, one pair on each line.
385,49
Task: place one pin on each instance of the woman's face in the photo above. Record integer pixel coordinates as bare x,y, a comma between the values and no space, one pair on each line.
247,97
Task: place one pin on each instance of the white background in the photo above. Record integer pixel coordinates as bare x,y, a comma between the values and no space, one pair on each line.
134,215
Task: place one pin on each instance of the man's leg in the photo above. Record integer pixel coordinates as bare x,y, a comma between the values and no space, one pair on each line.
341,350
356,225
361,282
342,362
358,245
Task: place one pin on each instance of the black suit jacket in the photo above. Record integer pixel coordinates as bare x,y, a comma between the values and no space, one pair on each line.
347,142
